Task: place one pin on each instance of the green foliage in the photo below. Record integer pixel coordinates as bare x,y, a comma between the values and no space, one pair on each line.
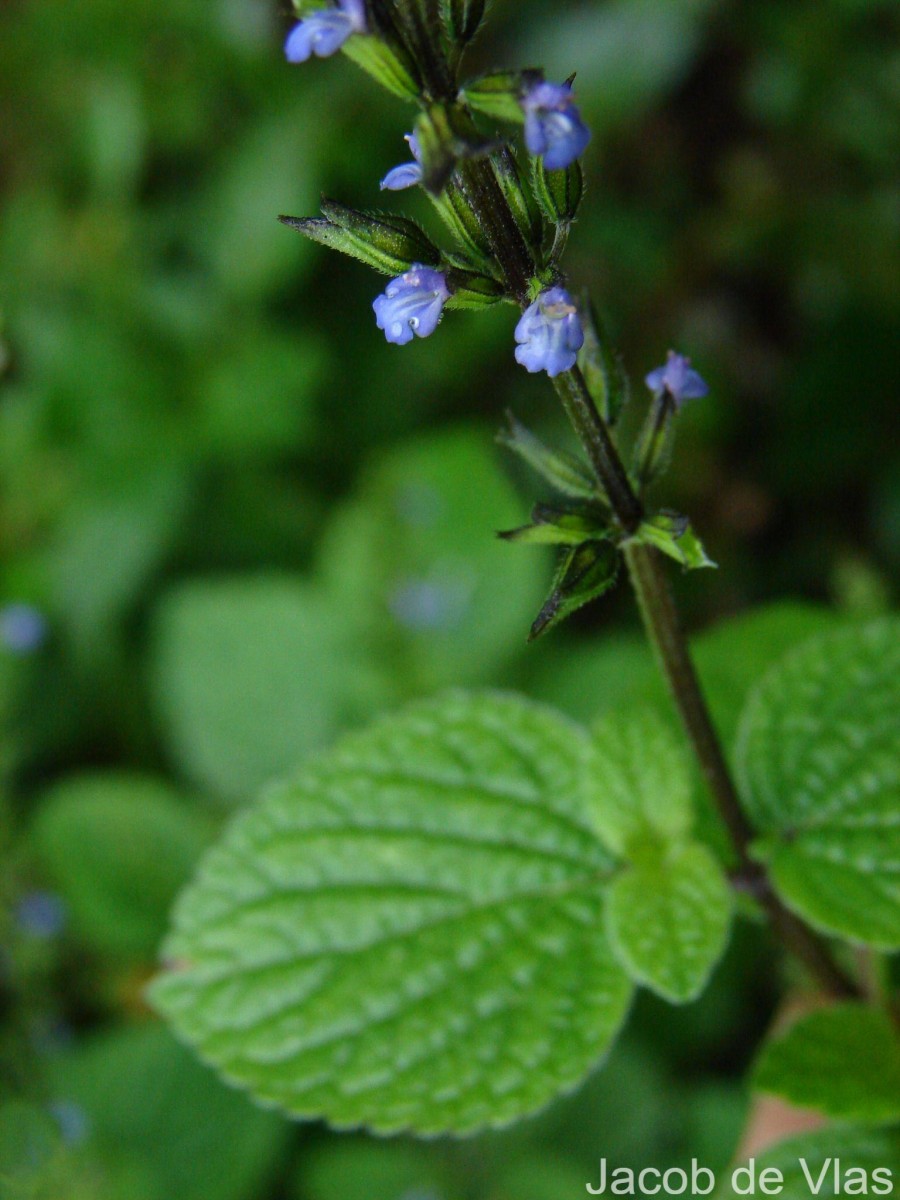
413,561
585,571
249,675
843,1061
646,796
327,952
673,535
668,917
837,1161
117,848
152,1109
821,780
388,244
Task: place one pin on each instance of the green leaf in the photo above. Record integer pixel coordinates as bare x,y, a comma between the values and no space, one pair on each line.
559,193
499,94
667,918
673,535
462,18
844,1061
148,1103
117,848
387,243
561,525
409,935
604,371
825,1164
413,557
471,289
250,675
820,777
522,204
586,572
646,794
388,64
564,472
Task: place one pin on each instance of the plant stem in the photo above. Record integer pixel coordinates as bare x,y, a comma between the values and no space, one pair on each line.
651,585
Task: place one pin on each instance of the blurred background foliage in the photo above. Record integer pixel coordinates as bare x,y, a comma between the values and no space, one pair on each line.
234,522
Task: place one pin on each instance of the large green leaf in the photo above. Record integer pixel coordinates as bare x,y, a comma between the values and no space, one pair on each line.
410,935
844,1061
117,847
667,919
250,675
820,776
839,1161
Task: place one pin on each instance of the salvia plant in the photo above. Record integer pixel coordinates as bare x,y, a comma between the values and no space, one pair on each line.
439,925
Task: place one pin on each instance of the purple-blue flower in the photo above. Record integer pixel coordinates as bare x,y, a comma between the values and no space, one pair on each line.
411,304
407,174
22,628
549,333
553,124
324,31
678,379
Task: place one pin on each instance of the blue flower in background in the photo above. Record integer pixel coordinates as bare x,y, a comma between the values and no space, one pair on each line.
553,124
549,333
678,379
41,914
411,304
324,32
407,174
22,628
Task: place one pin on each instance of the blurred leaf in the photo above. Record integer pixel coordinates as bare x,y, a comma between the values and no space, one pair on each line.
117,848
379,1170
843,1061
109,541
667,917
820,778
409,936
418,554
824,1163
249,675
147,1101
646,793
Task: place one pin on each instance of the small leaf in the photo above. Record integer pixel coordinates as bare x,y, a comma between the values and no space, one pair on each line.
820,1164
672,534
603,370
387,63
647,783
471,289
462,18
843,1061
555,526
585,573
562,471
559,193
499,94
388,243
820,778
667,917
463,224
527,214
409,936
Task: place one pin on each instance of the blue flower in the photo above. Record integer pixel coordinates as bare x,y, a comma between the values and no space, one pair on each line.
549,333
678,379
22,628
324,31
411,304
407,174
553,124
